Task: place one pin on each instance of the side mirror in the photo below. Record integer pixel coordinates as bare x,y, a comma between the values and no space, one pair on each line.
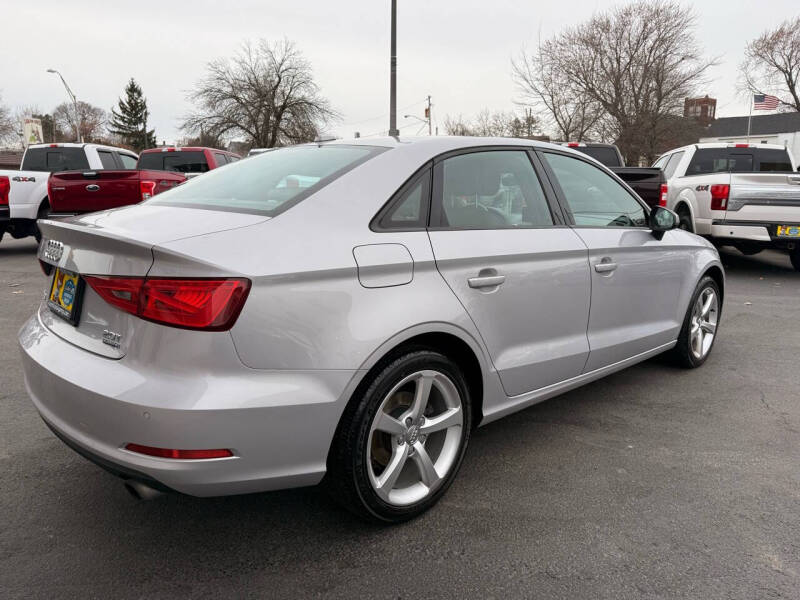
662,219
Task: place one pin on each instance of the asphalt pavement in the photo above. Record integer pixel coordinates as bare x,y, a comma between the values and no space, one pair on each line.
655,482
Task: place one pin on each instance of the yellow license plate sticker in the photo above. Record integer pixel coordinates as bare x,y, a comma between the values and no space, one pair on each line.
788,231
65,293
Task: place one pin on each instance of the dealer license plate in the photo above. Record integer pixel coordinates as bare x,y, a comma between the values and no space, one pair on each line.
791,231
66,291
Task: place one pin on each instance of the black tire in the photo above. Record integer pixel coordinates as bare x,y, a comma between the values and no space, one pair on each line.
749,249
794,256
348,478
44,211
683,350
685,220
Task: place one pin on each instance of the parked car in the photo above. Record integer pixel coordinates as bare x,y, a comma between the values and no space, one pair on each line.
237,335
75,192
191,161
648,182
26,199
741,195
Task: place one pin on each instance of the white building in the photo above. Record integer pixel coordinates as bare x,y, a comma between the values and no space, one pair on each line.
780,128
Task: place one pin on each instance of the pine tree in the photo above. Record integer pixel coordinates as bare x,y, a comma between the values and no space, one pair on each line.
129,121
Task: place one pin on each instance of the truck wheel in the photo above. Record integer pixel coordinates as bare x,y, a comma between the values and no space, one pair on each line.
44,211
685,220
2,231
749,249
795,258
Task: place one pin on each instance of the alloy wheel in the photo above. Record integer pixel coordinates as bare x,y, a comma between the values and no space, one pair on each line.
415,438
703,327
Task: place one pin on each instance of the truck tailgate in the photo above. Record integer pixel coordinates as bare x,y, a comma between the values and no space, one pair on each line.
764,197
89,191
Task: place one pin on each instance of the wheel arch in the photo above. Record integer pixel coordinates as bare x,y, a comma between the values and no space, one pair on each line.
716,273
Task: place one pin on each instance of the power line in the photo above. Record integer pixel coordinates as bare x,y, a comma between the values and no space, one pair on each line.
383,116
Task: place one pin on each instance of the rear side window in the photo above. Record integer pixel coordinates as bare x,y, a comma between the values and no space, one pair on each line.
602,154
269,183
190,161
410,210
220,159
496,189
739,160
55,159
107,159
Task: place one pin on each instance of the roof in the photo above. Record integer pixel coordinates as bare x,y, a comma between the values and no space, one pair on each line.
440,143
185,149
761,125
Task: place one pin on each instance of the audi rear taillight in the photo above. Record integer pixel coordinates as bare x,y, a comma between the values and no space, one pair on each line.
662,198
5,189
205,304
719,196
148,189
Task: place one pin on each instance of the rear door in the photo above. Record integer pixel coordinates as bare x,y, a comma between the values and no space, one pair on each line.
636,279
521,274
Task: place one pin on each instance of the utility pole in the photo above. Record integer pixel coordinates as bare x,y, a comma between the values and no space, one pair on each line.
78,136
393,131
428,116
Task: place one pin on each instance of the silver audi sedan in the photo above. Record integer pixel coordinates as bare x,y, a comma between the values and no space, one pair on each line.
349,311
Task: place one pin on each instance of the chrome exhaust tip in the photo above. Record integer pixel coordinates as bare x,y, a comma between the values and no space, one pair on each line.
141,491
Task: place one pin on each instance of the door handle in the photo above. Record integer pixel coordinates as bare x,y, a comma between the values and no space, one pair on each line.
486,281
605,266
92,187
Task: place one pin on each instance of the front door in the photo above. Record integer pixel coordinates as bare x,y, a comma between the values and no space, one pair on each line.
522,276
636,279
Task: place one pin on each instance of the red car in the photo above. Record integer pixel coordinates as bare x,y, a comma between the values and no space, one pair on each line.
190,161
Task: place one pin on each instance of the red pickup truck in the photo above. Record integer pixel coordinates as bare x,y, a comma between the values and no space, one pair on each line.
73,192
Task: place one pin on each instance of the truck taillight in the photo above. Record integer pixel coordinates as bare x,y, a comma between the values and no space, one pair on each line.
573,144
5,188
206,304
719,196
662,199
147,188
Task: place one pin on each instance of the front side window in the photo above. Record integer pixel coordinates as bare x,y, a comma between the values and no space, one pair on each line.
495,189
268,183
669,169
128,161
595,198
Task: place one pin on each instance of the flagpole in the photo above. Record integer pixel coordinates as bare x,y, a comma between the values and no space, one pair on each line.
749,118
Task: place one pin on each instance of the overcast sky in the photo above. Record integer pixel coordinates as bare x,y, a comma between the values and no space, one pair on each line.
458,51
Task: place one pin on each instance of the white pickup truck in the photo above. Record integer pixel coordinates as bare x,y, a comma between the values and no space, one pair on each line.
741,195
23,193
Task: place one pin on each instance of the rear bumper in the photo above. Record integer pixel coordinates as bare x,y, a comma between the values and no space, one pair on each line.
763,233
279,425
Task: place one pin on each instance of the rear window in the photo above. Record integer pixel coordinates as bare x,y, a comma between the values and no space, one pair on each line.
189,161
603,154
269,183
739,160
55,159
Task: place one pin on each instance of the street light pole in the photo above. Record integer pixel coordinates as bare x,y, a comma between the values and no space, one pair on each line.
78,135
393,75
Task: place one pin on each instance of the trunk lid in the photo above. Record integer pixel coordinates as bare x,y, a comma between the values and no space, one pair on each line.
119,243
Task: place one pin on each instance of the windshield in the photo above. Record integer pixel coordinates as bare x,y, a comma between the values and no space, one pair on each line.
268,183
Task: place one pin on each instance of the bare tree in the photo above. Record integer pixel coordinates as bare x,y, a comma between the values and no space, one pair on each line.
265,93
493,124
637,62
7,129
542,83
772,64
92,119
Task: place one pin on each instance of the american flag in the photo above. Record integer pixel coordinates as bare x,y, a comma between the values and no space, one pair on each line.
765,102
